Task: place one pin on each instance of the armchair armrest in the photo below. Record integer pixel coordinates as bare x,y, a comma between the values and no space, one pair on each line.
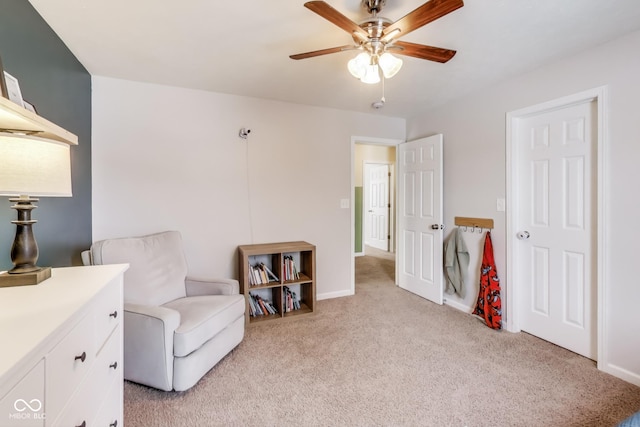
196,287
148,344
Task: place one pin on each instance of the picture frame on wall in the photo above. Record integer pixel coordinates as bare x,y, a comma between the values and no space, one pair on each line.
13,89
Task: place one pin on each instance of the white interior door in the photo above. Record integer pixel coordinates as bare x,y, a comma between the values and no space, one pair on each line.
377,211
556,266
420,217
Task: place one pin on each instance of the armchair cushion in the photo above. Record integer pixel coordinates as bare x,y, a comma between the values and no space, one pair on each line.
157,266
202,318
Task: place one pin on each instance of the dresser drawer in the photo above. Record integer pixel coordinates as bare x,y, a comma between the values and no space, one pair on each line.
108,311
108,365
93,392
67,365
110,413
23,406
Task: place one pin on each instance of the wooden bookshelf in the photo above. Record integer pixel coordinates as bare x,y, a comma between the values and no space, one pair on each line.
274,292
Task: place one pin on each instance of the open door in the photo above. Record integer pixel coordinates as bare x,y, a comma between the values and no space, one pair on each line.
420,218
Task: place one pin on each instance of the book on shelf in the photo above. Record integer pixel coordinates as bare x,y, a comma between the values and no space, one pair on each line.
289,268
291,301
258,306
260,274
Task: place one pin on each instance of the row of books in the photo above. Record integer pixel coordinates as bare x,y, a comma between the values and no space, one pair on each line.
258,306
289,269
291,301
260,274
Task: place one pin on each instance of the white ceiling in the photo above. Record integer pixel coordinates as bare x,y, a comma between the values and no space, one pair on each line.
242,46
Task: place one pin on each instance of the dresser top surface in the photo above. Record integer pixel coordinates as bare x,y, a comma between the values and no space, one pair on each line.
31,314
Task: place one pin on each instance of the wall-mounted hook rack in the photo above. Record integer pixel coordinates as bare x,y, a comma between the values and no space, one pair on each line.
474,223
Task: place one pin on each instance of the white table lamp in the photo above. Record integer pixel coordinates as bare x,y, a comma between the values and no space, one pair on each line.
30,166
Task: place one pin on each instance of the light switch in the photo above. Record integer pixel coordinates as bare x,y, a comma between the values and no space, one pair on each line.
344,203
500,204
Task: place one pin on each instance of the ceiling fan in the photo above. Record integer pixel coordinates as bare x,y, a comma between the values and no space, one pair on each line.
377,37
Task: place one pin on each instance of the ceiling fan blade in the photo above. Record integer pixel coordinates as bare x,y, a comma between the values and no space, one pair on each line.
332,15
422,51
322,52
428,12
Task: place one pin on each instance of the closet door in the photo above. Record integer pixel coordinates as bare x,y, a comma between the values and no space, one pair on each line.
420,218
556,269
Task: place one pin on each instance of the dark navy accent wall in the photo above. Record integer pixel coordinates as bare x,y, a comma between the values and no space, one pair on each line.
54,81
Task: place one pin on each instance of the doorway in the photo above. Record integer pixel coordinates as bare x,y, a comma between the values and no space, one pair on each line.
554,227
369,158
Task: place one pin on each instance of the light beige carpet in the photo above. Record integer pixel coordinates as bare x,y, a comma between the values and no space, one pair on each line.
385,357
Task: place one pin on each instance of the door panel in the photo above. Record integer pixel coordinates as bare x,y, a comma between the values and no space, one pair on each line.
420,201
557,266
378,209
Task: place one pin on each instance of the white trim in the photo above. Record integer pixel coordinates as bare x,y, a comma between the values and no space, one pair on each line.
624,374
457,305
370,141
602,246
599,95
337,294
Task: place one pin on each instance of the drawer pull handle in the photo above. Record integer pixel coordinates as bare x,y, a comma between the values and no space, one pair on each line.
82,358
84,424
114,424
114,314
114,365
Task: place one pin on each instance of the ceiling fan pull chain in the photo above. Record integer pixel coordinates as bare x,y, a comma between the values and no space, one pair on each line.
376,105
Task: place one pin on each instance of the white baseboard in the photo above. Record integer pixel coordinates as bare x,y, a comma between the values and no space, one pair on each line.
330,295
623,374
457,305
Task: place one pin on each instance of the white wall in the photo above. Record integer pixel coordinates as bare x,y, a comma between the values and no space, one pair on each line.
474,165
170,158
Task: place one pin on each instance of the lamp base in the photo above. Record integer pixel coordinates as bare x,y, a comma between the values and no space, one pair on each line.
23,279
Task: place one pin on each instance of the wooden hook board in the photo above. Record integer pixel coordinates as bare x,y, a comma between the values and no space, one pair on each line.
463,221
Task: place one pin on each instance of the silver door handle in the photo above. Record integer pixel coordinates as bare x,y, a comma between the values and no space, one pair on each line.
523,235
437,226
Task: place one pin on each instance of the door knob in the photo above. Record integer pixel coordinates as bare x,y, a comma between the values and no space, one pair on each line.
437,226
523,235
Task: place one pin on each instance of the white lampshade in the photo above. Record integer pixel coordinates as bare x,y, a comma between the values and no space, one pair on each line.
372,74
358,65
390,64
33,166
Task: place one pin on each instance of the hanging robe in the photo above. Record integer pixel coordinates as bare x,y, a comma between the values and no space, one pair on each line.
489,305
456,263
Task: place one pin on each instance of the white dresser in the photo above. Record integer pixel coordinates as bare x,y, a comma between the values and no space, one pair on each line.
61,350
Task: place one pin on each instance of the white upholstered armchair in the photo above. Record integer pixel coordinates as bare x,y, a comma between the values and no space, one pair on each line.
175,329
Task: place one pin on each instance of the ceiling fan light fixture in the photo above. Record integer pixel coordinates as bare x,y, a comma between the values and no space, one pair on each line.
358,65
389,64
372,75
